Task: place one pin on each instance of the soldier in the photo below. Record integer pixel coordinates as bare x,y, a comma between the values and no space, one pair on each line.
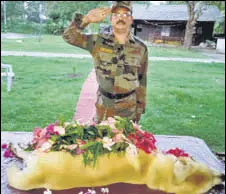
120,61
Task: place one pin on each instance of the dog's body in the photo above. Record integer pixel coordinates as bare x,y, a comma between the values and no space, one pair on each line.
60,170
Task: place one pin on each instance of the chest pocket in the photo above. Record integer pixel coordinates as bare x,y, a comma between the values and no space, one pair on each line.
106,58
131,68
105,67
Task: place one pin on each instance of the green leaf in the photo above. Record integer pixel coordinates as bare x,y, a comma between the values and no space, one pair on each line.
54,138
29,148
90,144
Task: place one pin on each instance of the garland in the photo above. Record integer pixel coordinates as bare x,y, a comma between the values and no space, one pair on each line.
115,135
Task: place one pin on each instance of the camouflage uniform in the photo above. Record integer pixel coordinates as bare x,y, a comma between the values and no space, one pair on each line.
121,71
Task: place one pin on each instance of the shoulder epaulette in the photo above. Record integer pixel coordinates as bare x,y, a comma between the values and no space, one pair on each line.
140,41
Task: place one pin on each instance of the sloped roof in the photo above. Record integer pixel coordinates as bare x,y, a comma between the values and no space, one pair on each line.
172,13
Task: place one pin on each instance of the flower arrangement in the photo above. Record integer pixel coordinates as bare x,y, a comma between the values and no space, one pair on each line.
113,135
118,135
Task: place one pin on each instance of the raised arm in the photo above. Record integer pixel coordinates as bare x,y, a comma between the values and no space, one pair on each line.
73,34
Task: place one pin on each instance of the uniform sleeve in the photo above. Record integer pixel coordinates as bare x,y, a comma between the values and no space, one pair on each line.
141,91
73,35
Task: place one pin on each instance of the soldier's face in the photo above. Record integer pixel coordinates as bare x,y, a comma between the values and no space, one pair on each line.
121,18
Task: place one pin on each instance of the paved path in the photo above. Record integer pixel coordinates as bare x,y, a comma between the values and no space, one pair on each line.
43,54
47,54
10,35
85,109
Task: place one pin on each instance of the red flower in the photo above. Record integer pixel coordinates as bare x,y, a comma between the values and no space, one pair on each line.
93,124
56,133
4,146
177,152
8,153
139,132
79,151
80,142
41,136
143,140
50,128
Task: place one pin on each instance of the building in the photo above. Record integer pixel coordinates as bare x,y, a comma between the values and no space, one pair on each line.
167,23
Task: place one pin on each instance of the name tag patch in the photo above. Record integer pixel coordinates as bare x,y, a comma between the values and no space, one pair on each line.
106,50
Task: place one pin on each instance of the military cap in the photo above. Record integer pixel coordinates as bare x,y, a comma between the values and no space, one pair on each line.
126,4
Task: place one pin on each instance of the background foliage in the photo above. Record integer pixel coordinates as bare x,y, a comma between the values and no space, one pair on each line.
219,25
23,16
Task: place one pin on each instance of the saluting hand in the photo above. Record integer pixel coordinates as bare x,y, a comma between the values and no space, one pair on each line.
97,15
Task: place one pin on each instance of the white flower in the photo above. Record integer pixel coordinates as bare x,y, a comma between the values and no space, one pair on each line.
70,147
103,123
45,146
131,150
119,138
86,123
74,125
91,191
80,192
47,192
77,122
136,126
59,129
104,190
66,124
50,141
107,143
109,122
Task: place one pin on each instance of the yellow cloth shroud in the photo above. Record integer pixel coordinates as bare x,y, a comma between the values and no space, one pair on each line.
60,170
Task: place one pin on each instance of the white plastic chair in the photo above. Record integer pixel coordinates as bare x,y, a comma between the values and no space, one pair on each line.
8,74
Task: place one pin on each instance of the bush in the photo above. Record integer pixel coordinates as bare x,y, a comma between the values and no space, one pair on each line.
219,27
26,28
55,27
4,28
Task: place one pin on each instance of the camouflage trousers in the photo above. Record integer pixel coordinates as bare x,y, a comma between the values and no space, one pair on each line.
124,107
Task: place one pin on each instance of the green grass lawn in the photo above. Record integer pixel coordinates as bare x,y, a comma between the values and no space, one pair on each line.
49,43
187,99
56,44
160,51
41,92
183,98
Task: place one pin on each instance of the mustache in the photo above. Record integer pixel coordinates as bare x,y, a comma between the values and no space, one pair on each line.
121,21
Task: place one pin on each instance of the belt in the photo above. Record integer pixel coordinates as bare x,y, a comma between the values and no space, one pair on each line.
115,96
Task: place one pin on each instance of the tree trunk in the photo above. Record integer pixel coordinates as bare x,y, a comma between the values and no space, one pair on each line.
189,34
190,24
4,4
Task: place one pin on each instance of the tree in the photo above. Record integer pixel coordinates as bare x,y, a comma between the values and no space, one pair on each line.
145,3
15,10
195,10
32,11
219,25
3,12
60,13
